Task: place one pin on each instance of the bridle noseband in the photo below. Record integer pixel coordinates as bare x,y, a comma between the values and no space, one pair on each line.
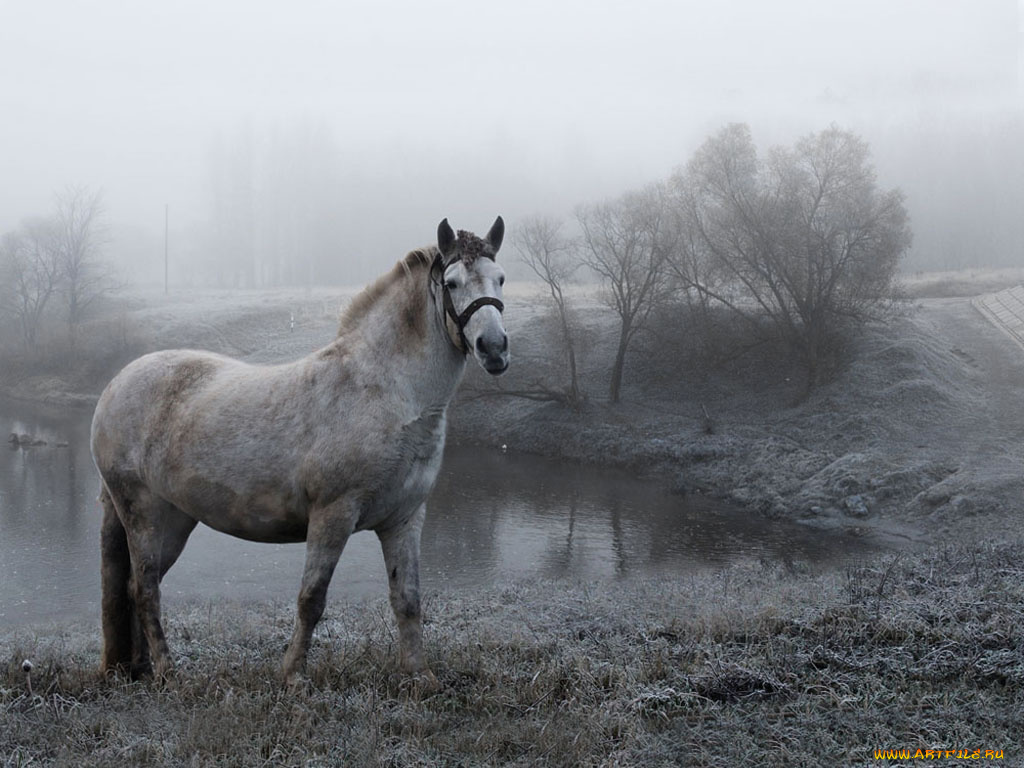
462,319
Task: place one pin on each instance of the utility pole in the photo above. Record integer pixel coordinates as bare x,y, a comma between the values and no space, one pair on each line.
167,216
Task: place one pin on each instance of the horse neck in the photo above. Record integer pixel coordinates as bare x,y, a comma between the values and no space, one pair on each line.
423,366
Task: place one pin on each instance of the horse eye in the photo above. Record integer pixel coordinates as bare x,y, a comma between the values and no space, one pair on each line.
451,285
501,280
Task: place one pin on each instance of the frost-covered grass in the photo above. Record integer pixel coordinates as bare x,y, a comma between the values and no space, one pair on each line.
260,326
754,665
963,282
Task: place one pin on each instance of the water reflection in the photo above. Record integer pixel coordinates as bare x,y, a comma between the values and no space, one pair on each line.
492,517
525,515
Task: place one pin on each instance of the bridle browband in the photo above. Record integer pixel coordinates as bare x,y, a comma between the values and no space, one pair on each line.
462,319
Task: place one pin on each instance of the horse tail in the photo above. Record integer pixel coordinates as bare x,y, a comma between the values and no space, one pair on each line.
124,649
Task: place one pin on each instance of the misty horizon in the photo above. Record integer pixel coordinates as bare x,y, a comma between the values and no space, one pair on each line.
374,122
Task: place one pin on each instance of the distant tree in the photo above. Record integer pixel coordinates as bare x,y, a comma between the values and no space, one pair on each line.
276,214
804,237
541,245
80,236
30,275
626,243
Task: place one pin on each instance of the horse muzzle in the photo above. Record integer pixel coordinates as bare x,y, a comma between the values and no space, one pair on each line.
492,353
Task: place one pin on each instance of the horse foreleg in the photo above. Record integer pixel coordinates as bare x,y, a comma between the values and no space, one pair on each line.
401,546
325,540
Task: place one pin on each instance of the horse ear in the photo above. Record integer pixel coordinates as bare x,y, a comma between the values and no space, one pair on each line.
445,237
497,234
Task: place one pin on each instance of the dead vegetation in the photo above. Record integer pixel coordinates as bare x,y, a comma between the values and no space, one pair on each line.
754,665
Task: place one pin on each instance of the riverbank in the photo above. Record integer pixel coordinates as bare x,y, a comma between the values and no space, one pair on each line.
261,326
919,436
756,664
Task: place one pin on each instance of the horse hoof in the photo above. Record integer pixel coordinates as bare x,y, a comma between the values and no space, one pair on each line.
424,682
297,683
163,674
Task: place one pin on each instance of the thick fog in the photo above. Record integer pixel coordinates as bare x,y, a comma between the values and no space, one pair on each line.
326,139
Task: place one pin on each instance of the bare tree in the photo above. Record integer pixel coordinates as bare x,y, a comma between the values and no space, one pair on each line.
30,274
80,238
549,254
804,238
626,243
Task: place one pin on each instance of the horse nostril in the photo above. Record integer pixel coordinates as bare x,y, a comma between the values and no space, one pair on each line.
504,343
480,346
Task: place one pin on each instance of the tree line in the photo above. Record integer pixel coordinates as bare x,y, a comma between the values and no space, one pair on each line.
800,243
52,269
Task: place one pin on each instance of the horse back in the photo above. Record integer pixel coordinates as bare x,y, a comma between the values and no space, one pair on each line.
139,408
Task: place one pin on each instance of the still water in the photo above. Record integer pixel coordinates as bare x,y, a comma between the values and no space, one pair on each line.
492,517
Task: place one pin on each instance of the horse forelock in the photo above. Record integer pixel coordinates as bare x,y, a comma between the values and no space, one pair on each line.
410,266
469,247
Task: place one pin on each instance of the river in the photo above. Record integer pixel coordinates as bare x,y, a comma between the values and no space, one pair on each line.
493,517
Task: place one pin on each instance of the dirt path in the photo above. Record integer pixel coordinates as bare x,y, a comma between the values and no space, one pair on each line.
1005,310
999,364
987,437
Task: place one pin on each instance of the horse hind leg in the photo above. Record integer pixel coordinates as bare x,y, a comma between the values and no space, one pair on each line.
123,649
153,532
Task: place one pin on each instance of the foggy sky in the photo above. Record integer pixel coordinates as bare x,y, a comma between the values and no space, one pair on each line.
468,110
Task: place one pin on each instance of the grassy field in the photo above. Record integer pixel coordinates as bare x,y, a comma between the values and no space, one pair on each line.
754,665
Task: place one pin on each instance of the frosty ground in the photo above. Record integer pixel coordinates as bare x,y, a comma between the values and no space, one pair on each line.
754,665
919,435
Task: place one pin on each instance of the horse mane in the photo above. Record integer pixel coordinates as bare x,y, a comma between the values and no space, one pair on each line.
413,262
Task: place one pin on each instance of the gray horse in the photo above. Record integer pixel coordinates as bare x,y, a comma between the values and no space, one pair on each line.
349,438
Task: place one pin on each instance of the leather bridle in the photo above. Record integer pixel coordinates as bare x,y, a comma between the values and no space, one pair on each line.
459,319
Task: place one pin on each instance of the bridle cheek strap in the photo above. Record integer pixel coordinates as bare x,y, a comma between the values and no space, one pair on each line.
460,320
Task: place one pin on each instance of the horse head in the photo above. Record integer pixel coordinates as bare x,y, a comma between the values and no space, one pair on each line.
471,283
